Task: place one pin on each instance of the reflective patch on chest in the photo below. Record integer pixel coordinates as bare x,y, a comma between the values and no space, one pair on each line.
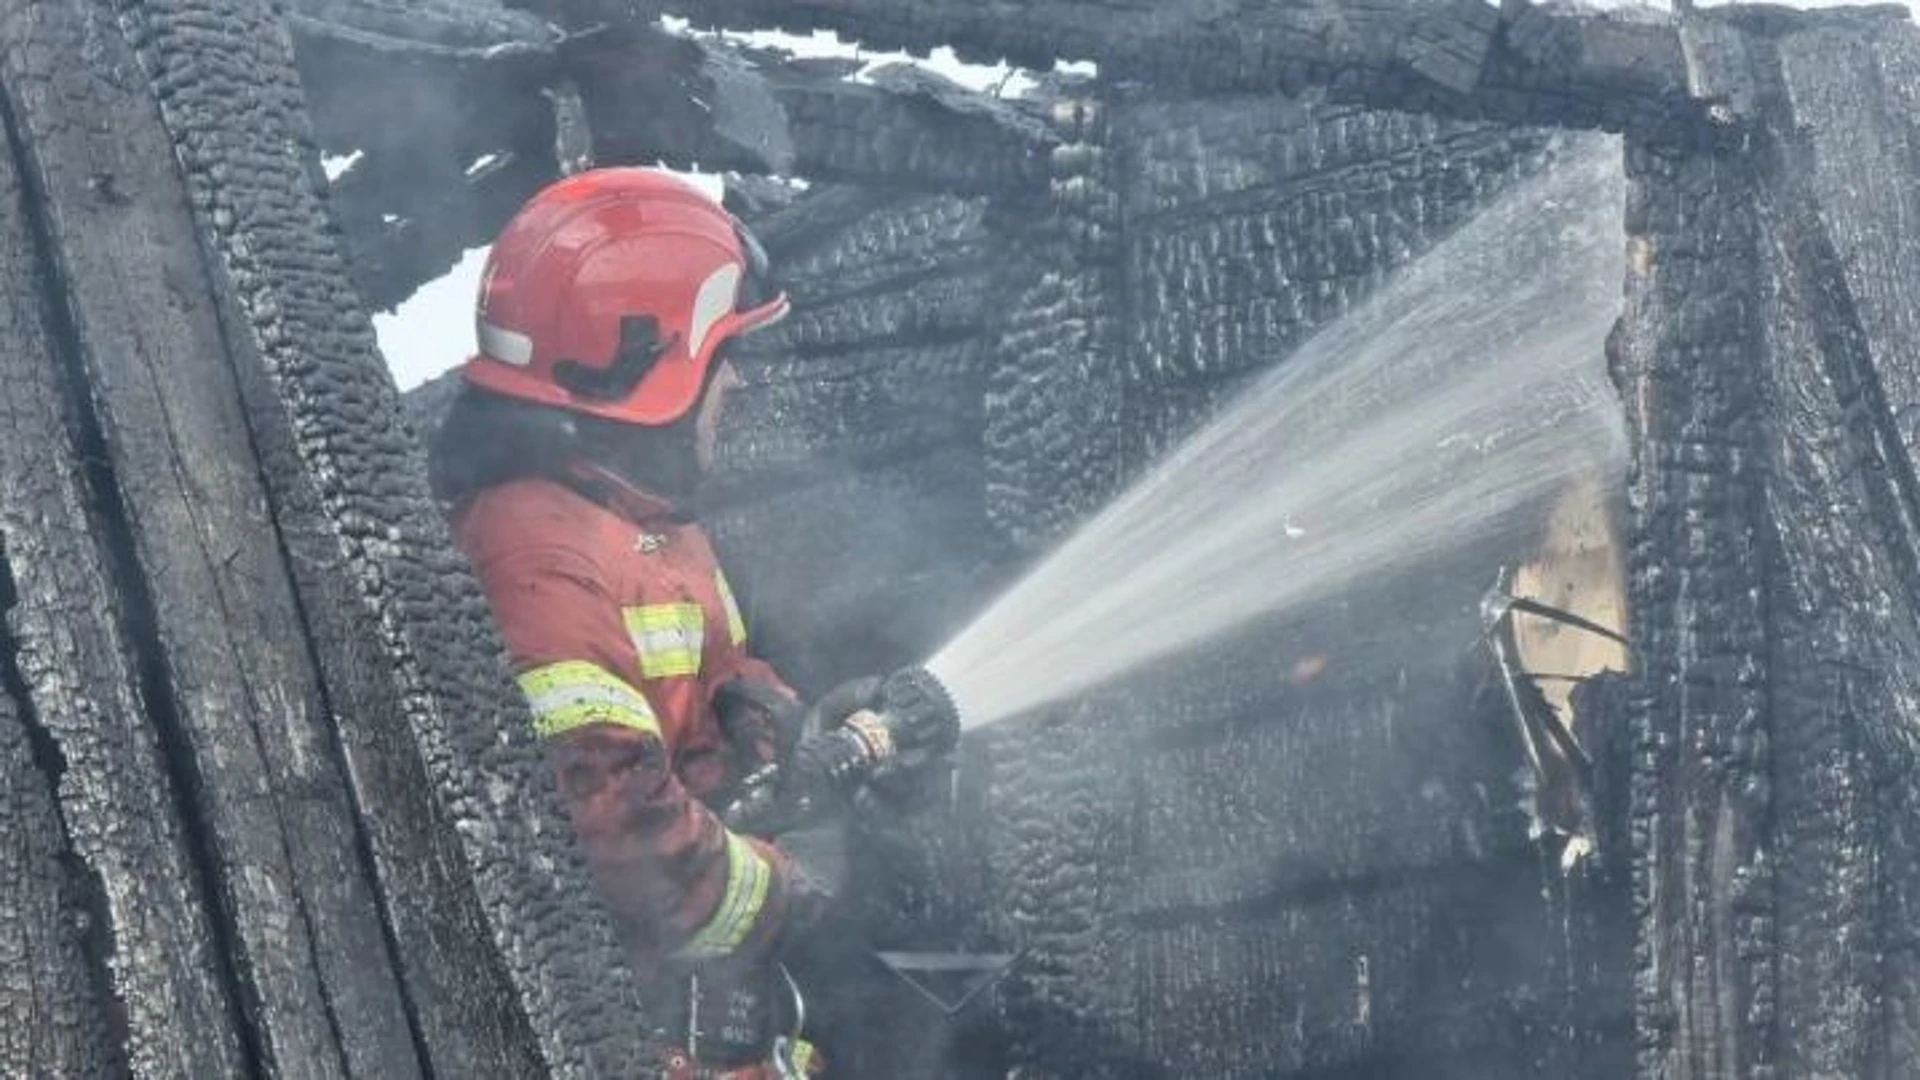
668,637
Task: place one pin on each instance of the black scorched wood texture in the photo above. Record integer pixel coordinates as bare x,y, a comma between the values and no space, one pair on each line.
1773,569
444,105
1251,222
1454,57
301,830
409,662
651,96
849,494
67,891
452,114
1052,420
1698,619
54,1019
165,971
1210,871
1853,92
1208,846
231,691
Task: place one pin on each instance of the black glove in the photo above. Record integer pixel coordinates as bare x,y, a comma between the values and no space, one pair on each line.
782,797
902,725
833,709
895,731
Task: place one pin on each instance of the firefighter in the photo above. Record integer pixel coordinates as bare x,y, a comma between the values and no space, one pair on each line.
585,421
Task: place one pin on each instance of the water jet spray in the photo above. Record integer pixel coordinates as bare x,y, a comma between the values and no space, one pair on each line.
1439,413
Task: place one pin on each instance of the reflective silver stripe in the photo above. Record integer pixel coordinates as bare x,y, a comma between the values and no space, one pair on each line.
736,626
573,693
748,879
715,298
504,345
670,638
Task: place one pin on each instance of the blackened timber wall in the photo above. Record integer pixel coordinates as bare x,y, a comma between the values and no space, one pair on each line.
1769,377
300,828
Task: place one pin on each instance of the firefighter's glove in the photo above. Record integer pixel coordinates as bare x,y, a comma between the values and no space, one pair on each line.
846,700
800,786
761,722
842,742
892,733
905,723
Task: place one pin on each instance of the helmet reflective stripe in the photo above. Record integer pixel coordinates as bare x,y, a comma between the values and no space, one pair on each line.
714,300
736,626
505,345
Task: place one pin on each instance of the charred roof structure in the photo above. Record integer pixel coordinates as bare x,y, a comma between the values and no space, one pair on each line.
272,803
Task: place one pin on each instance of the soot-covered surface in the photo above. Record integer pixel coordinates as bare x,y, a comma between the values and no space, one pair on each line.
294,800
1772,577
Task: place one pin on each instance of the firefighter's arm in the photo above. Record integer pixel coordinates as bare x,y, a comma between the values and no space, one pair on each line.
664,863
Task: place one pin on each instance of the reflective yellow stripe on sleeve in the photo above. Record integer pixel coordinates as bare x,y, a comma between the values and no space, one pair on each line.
748,878
574,693
668,637
736,626
800,1057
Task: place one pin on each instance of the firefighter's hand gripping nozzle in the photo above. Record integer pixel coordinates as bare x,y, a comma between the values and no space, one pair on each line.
913,730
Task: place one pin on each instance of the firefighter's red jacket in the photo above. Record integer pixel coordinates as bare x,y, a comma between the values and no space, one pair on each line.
620,626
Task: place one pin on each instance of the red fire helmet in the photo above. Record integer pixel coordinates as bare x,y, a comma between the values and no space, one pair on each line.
609,292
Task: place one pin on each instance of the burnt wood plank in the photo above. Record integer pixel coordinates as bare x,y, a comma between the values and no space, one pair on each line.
1457,58
509,963
164,973
238,697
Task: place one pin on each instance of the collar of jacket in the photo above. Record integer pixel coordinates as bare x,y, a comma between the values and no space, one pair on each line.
622,496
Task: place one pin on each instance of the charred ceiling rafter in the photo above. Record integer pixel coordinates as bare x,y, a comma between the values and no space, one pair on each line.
405,224
688,100
423,98
452,111
427,90
1462,58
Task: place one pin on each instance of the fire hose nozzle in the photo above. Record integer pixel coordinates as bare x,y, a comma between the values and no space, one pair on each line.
916,722
920,713
914,728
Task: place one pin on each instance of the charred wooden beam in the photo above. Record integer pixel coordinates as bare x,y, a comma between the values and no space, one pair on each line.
446,110
1458,57
651,95
75,708
453,28
372,91
456,125
510,951
1767,362
297,808
407,219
